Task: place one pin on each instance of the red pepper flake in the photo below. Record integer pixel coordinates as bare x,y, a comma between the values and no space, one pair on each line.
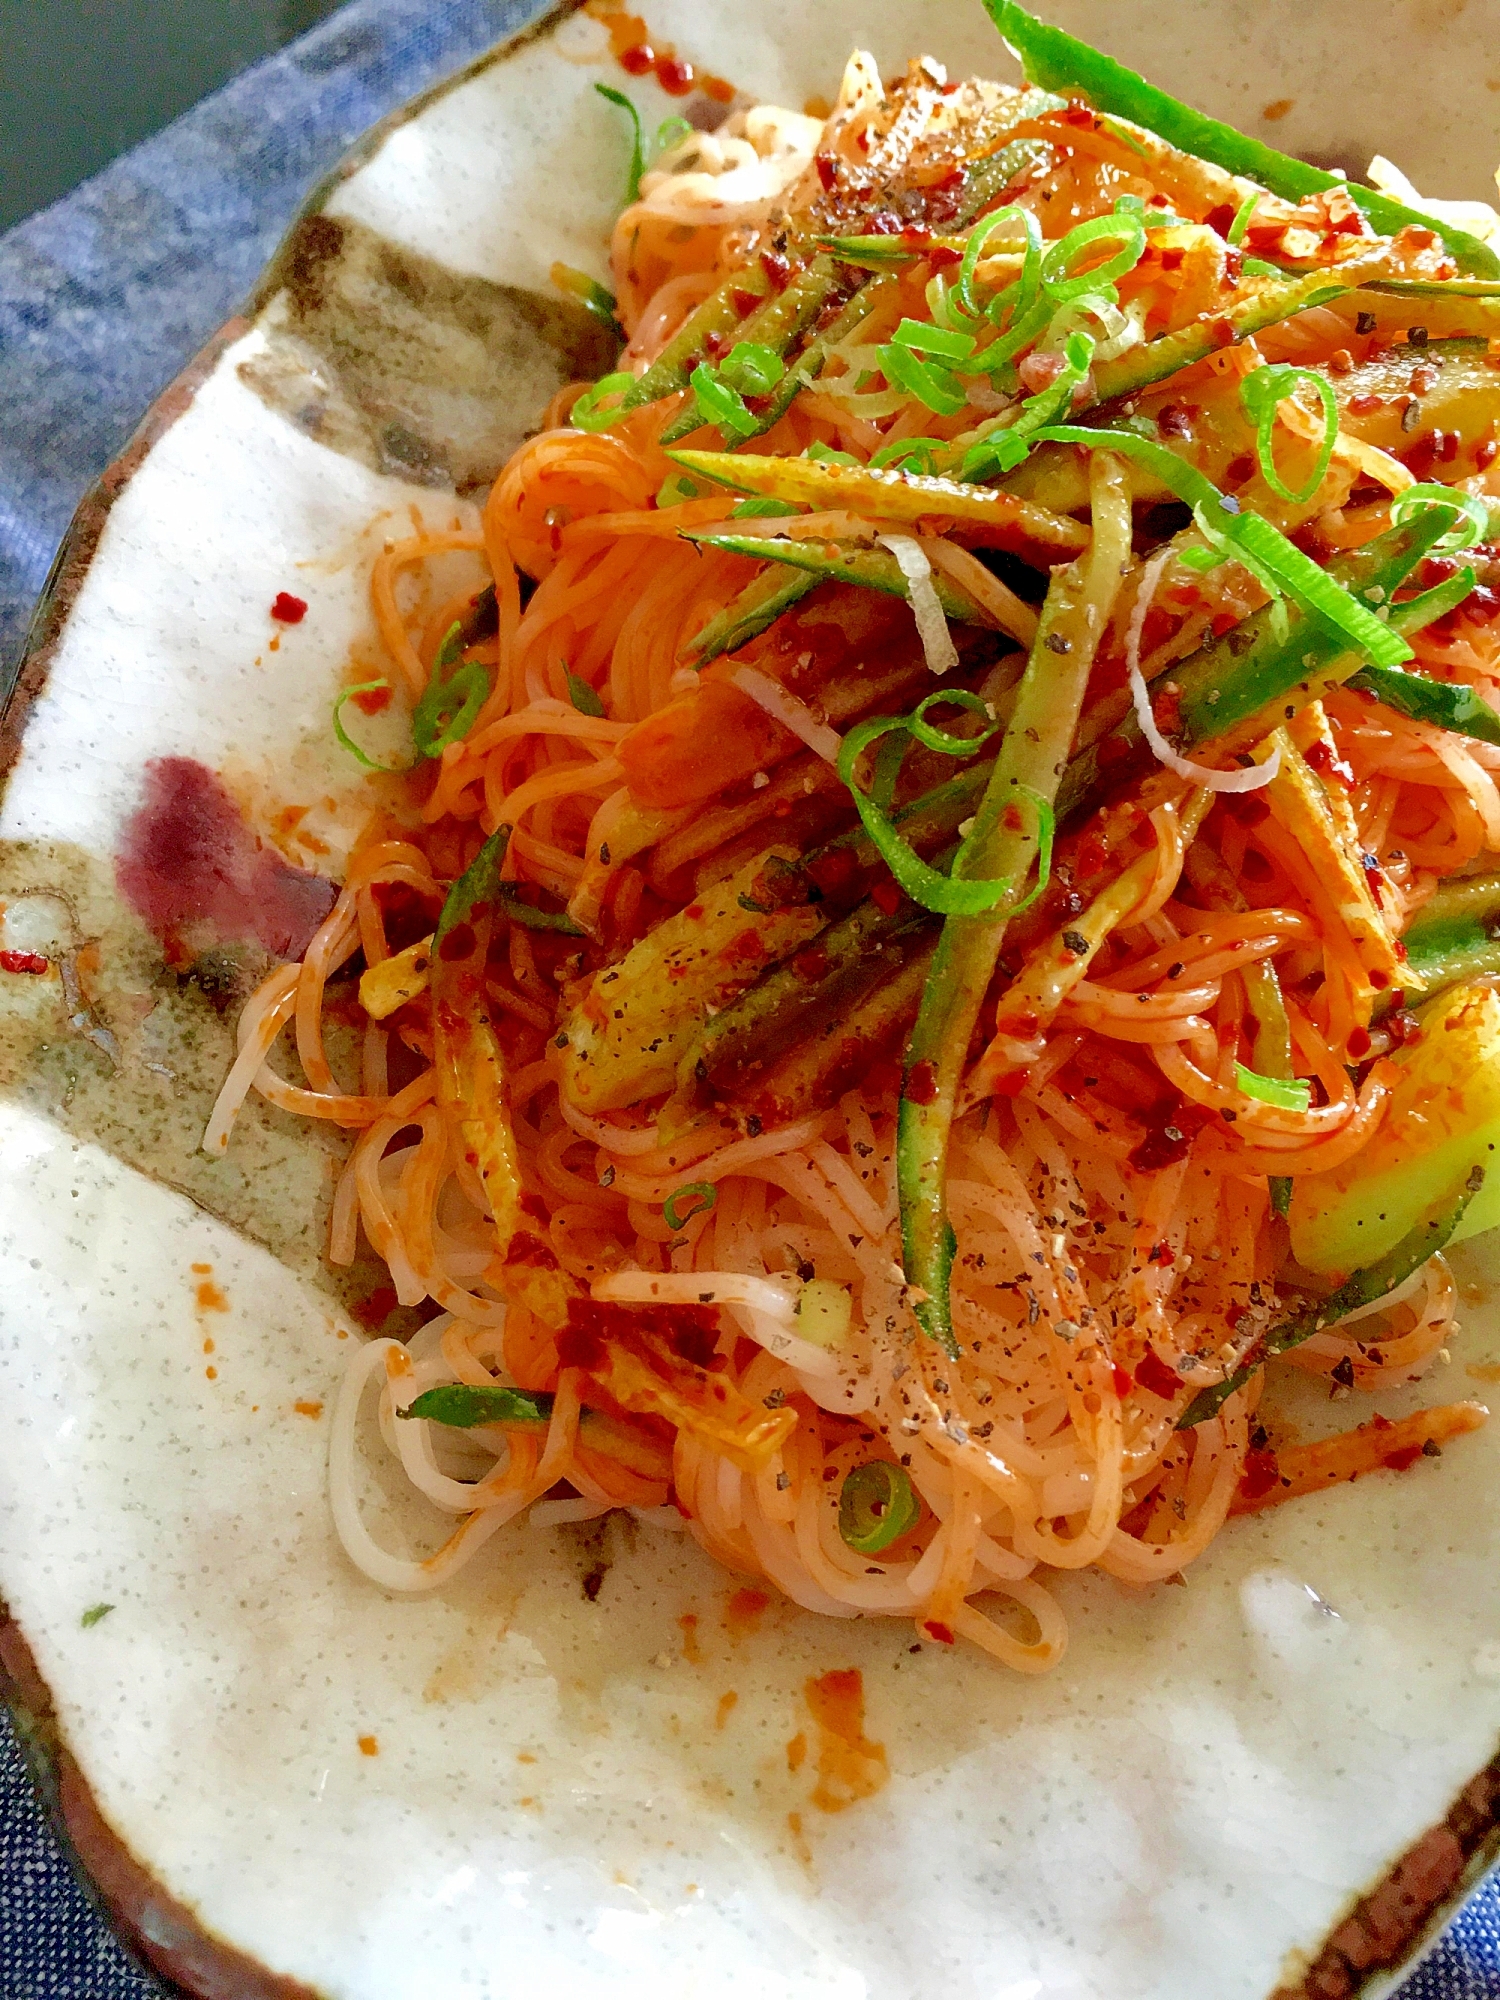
716,88
1171,260
22,961
1153,1375
675,76
288,610
1481,605
1175,420
1403,1028
942,255
1365,406
811,964
1358,1044
1404,1459
1012,1083
1239,471
639,60
1220,219
1341,362
1249,809
1162,1253
1170,1130
1261,1473
1012,821
1321,756
744,302
373,700
886,896
1222,333
1122,1379
1436,570
940,1634
778,271
1234,266
921,1083
828,171
1078,114
1485,454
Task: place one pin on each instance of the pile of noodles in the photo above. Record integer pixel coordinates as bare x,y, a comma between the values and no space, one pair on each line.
1081,1260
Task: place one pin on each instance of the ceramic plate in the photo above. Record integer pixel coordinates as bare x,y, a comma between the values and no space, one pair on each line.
572,1771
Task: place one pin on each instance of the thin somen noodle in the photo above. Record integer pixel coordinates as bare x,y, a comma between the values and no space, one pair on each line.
904,927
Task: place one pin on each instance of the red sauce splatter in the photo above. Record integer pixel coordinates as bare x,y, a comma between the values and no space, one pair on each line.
308,1409
692,1652
849,1765
638,59
744,1611
209,1298
22,961
369,1746
921,1083
372,700
1122,1380
1153,1375
1262,1471
374,1310
187,862
675,76
288,610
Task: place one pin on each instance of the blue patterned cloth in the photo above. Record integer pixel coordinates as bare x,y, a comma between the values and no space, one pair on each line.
103,298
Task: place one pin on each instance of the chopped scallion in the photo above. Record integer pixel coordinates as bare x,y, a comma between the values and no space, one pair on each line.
701,1195
1286,1093
877,1505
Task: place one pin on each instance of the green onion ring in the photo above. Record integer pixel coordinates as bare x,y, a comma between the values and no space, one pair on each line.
876,1506
1261,394
705,1191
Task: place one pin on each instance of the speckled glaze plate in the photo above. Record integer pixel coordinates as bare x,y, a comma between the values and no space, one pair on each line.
282,1780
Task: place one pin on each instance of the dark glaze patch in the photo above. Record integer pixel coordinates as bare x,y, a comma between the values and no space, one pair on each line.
406,366
190,868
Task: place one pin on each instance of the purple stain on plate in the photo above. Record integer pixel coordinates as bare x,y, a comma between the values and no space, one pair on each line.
192,869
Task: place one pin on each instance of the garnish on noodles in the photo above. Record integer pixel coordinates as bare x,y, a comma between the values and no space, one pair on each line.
936,943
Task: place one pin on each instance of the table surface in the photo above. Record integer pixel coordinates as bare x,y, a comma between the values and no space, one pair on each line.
103,298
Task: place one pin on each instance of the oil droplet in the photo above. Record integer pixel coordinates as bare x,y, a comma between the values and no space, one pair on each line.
368,1747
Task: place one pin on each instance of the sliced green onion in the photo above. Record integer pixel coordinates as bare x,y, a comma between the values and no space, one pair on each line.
637,144
940,739
876,1506
908,455
1286,1093
1465,507
948,895
761,506
462,1405
1124,227
449,706
825,454
1279,1187
670,131
1264,550
346,740
1200,560
584,697
586,414
703,1195
1004,450
933,385
1262,392
962,295
752,367
1442,704
1257,267
1236,232
672,492
719,404
923,338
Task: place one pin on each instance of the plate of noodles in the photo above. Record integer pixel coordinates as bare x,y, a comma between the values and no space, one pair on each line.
749,1053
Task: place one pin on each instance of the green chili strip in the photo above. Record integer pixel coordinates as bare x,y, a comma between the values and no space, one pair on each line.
1000,846
773,326
877,1505
846,562
1443,704
703,1195
758,605
1251,540
1057,60
530,918
1362,1289
462,1405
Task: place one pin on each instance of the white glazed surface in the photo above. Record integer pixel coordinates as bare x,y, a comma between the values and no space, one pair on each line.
1201,1787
